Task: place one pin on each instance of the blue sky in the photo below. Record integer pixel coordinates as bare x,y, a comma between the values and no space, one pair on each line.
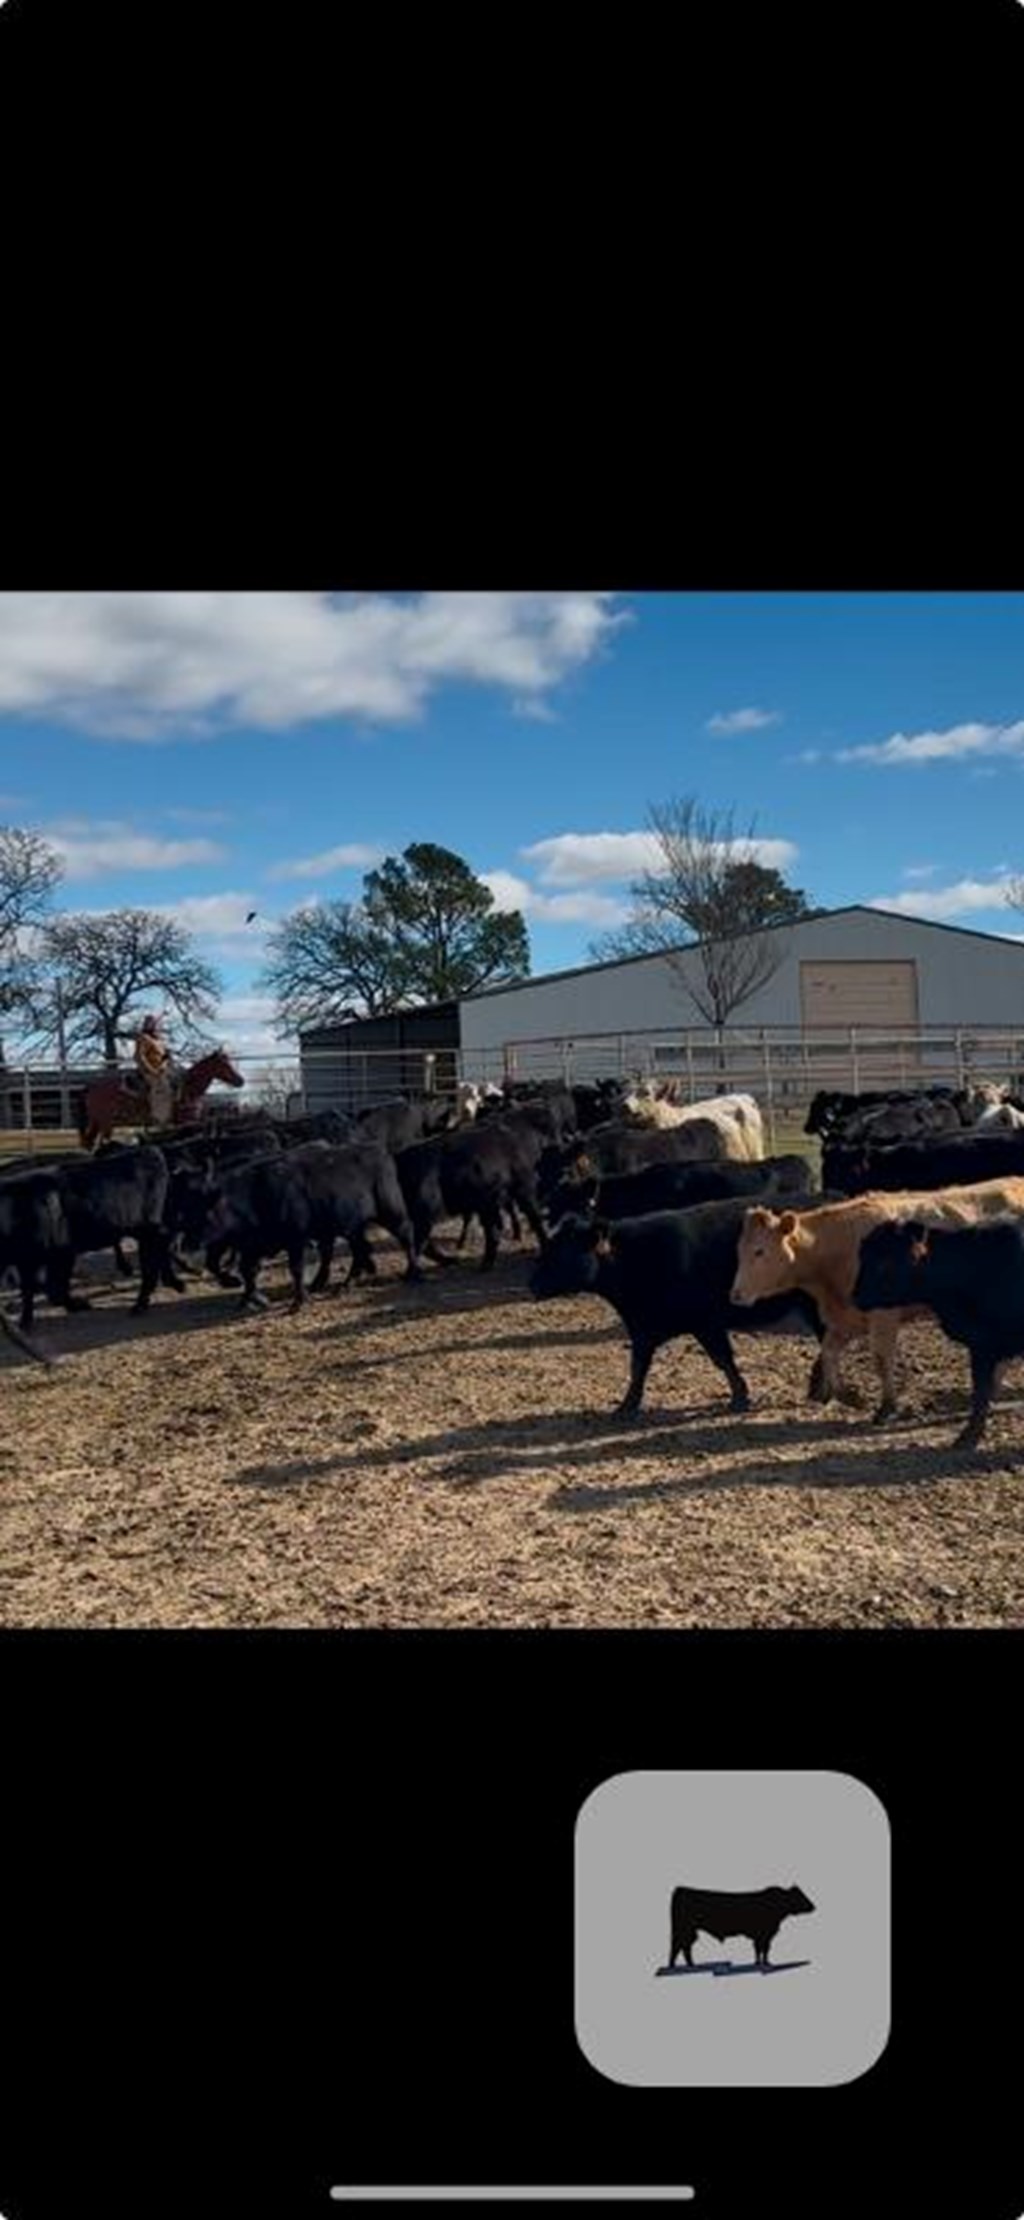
211,754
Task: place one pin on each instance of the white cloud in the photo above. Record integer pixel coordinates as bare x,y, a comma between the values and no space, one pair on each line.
153,667
198,816
961,899
245,1022
577,908
353,856
920,870
575,859
88,850
247,1009
952,746
538,711
572,858
805,755
743,720
219,921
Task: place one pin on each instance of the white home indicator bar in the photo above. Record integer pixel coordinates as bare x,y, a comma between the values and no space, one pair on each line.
521,2196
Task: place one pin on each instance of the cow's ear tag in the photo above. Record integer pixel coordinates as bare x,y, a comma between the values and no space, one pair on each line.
603,1245
583,1166
919,1250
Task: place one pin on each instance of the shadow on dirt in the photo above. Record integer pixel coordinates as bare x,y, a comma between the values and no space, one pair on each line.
59,1335
831,1452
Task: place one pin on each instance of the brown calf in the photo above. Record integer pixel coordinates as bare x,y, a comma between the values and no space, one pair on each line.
819,1251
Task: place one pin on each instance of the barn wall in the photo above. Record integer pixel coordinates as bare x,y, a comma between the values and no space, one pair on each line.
962,978
352,1066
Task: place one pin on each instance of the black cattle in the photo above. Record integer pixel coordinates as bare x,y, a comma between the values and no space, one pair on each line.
49,1161
317,1194
953,1161
197,1175
614,1149
678,1186
831,1109
12,1165
480,1172
214,1150
552,1115
396,1125
32,1233
545,1103
226,1116
972,1277
757,1914
316,1125
88,1204
518,1091
666,1275
595,1101
194,1163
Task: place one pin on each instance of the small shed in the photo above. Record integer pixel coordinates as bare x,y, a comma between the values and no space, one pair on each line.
351,1065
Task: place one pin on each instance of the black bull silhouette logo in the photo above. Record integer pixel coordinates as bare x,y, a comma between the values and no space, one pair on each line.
723,1912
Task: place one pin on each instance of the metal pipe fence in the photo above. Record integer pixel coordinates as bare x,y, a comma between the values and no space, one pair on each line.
791,1060
782,1066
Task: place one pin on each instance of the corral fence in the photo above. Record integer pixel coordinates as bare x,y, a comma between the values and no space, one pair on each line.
784,1067
38,1103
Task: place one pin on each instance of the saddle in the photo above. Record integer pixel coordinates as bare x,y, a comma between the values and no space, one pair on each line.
135,1084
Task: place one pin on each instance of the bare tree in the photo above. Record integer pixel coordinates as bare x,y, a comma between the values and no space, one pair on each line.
709,885
29,871
274,1086
326,962
108,965
1014,894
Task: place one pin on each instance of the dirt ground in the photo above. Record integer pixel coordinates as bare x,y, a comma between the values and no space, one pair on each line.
446,1456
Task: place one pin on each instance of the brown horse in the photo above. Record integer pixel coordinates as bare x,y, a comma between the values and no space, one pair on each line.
110,1101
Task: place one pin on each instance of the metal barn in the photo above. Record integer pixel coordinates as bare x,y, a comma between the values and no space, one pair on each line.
859,996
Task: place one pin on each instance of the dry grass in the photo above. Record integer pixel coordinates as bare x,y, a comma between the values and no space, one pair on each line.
447,1455
42,1143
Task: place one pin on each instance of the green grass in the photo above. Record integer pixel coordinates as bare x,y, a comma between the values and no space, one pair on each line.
791,1140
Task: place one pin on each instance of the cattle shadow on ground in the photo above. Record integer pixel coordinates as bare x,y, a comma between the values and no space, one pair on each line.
498,1449
293,1473
433,1351
346,1462
396,1303
920,1463
836,1453
59,1335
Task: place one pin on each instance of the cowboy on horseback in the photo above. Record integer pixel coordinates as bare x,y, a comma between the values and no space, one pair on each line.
154,1063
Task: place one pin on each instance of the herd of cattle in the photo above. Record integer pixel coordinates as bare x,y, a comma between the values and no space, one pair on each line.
672,1213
